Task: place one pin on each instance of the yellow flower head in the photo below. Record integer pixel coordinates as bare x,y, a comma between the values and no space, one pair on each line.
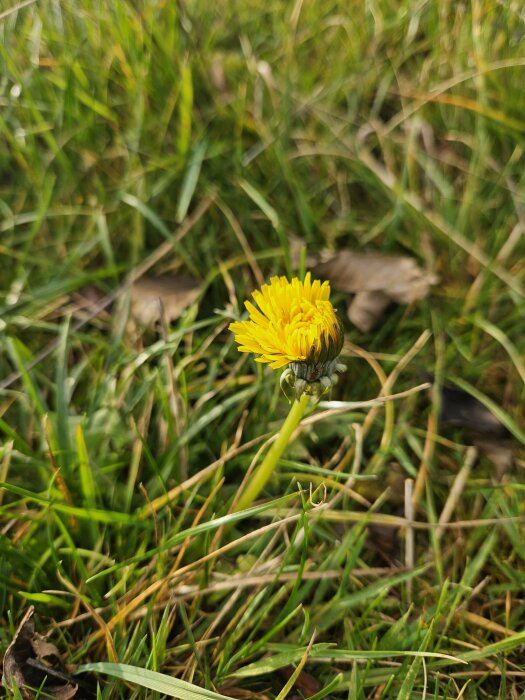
295,326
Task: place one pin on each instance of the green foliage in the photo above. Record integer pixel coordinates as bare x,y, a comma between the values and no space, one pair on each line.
219,131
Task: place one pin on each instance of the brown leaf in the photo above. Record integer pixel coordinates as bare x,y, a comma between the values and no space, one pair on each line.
366,308
86,299
17,654
175,293
25,666
305,682
501,455
386,542
43,648
462,410
376,280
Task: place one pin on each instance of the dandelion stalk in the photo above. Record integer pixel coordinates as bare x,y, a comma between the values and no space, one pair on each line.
296,328
267,466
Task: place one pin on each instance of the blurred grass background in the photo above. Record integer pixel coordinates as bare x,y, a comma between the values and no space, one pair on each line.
225,130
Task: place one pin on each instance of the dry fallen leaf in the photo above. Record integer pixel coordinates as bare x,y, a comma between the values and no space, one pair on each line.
386,541
376,280
365,309
26,668
305,682
501,455
87,300
32,666
175,293
461,410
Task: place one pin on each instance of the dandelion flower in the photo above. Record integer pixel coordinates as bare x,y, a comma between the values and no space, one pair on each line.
294,327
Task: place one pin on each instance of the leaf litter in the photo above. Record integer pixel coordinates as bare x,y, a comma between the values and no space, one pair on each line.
376,280
462,411
174,292
32,666
171,293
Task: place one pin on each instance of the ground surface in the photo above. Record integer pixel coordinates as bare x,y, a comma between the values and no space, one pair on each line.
206,135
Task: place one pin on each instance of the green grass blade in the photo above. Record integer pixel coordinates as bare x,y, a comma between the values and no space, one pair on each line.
173,687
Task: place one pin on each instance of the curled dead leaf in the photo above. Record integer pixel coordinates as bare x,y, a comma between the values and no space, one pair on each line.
305,682
461,410
31,667
175,293
365,309
501,455
376,280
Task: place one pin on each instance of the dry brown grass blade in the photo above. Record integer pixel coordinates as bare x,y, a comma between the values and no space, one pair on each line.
241,237
104,630
456,490
133,604
483,623
166,498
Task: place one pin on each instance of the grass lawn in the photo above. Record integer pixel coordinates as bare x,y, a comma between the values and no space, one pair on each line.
225,143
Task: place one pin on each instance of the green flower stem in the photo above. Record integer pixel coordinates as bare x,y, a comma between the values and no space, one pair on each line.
265,469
